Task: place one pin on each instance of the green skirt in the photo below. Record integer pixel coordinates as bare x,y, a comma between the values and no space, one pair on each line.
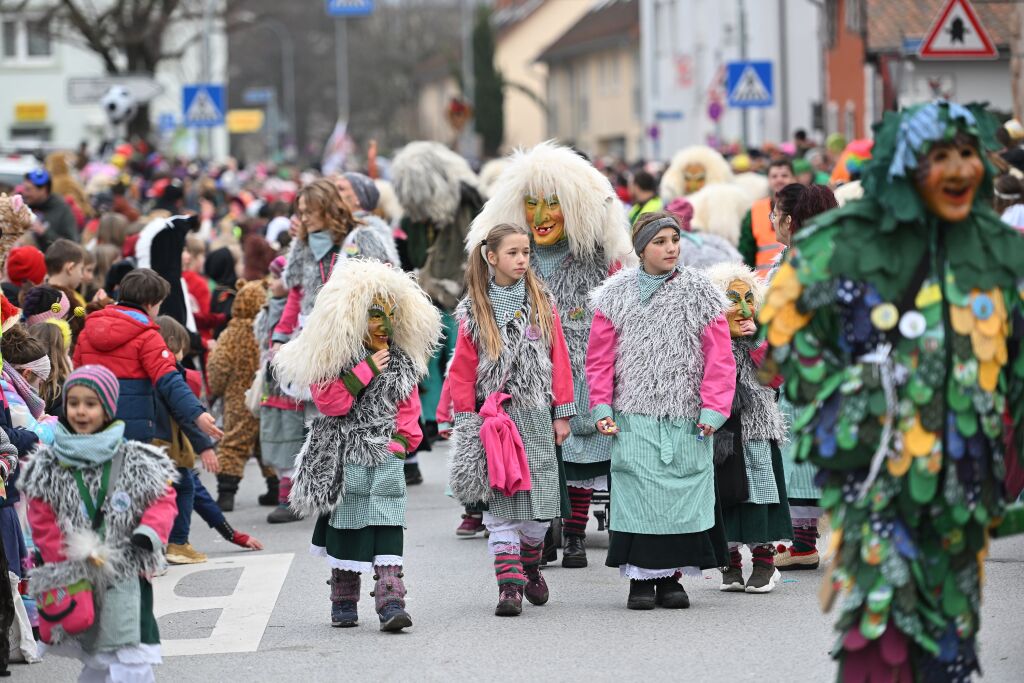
578,471
357,545
753,523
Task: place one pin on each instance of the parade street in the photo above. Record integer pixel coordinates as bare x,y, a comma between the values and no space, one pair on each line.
264,616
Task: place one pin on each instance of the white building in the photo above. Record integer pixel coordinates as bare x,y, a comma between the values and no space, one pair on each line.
38,65
685,46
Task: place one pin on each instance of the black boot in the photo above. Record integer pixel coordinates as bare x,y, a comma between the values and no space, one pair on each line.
641,595
227,487
574,556
269,498
550,553
412,474
671,594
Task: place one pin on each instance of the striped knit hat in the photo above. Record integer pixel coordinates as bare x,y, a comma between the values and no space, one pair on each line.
101,381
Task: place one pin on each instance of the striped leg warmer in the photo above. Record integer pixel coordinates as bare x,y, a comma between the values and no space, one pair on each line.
508,567
579,500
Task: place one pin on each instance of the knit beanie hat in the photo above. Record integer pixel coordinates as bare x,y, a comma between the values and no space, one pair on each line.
365,189
277,266
26,264
101,381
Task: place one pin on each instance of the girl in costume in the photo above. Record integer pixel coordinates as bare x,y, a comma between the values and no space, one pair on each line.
894,319
52,334
362,353
748,464
662,376
93,591
794,206
510,350
579,236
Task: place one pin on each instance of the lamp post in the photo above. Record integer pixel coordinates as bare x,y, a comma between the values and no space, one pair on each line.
284,39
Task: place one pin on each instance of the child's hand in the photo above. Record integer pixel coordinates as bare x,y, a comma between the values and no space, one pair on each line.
607,427
253,544
210,462
207,425
381,359
561,426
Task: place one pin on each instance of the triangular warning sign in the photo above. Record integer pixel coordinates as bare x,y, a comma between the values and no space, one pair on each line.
203,109
750,88
957,34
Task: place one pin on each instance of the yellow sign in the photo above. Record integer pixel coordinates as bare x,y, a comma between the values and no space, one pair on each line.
245,120
29,112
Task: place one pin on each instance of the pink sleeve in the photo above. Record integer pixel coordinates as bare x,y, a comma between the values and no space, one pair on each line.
45,531
601,361
615,267
719,383
408,434
462,373
290,315
160,515
444,404
561,372
336,398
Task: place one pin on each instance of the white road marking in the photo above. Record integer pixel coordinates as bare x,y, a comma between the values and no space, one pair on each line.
245,613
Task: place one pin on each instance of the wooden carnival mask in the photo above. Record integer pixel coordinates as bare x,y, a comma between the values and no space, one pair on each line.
546,219
380,324
694,177
742,310
949,177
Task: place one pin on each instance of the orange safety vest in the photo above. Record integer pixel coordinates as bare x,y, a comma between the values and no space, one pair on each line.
768,247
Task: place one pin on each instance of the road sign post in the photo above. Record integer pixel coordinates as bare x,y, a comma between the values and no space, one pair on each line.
203,105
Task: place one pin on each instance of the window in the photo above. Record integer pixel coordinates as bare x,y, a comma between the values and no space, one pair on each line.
26,40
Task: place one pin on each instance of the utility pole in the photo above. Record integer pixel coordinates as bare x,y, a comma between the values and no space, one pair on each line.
341,67
743,57
468,133
783,79
205,135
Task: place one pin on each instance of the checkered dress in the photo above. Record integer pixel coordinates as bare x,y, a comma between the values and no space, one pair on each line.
374,496
760,477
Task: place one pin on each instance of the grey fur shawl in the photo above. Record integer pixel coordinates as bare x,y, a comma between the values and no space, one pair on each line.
659,362
145,475
754,402
359,438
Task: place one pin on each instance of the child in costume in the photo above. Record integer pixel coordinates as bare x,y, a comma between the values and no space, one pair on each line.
748,463
93,590
26,366
230,369
510,348
892,318
662,376
362,353
282,422
579,236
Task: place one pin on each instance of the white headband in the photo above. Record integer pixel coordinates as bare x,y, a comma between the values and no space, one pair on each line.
40,368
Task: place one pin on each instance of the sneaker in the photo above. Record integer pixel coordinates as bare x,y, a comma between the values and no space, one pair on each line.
641,595
762,579
344,614
732,580
510,601
183,553
282,514
536,590
789,559
574,556
670,594
471,525
393,617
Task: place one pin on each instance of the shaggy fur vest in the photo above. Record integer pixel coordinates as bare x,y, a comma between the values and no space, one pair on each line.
145,474
659,363
359,438
753,402
303,269
527,365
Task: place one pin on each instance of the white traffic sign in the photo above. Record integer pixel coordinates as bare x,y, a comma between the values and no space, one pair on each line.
89,90
957,33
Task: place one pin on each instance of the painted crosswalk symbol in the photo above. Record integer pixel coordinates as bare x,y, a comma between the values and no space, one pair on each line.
203,110
203,105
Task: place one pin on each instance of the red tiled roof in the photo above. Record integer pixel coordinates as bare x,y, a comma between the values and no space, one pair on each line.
608,22
890,21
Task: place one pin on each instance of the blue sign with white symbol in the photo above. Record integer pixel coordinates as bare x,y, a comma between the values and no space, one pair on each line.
203,105
749,84
349,8
166,123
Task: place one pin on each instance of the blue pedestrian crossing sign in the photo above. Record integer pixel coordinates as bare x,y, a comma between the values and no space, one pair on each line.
749,84
202,105
349,8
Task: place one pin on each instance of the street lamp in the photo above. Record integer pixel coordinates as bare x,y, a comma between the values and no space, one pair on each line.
284,38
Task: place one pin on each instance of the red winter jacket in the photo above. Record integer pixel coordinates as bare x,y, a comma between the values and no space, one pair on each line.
125,341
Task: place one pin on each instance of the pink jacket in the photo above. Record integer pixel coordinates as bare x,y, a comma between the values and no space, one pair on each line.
507,466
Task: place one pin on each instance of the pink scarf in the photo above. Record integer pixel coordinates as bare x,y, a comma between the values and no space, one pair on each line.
507,467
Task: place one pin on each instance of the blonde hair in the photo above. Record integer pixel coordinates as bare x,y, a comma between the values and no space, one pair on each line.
478,276
323,196
52,338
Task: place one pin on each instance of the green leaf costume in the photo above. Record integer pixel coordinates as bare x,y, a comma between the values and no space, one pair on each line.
897,328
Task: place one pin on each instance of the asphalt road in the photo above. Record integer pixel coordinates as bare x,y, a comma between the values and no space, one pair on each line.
264,616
